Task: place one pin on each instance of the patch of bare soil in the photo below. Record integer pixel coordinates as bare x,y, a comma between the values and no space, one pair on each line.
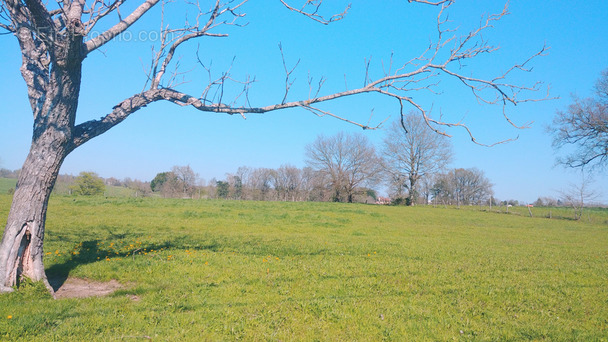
82,288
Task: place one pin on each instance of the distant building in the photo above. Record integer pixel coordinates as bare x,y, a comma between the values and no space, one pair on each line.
383,200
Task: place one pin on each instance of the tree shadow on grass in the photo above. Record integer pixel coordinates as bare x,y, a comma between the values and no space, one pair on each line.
89,252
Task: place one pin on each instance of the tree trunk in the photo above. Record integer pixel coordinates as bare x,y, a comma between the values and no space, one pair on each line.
412,193
54,106
21,249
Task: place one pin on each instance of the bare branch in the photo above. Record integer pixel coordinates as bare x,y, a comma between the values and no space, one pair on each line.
98,13
34,42
584,125
5,16
117,29
319,86
171,39
435,3
321,113
311,9
420,73
287,74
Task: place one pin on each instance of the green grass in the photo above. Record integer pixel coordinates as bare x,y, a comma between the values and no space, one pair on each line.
6,184
231,270
119,191
591,215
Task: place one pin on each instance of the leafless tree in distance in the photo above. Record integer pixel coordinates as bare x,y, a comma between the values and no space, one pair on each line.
462,186
186,180
412,151
584,126
579,195
346,161
56,37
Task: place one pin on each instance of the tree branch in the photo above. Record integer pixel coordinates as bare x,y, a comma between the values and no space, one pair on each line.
171,39
33,42
97,14
313,12
117,29
414,75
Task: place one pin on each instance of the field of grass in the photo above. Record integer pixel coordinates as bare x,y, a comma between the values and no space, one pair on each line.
6,184
231,270
591,215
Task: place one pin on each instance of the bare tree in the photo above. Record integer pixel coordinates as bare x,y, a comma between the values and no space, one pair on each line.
55,38
287,182
260,184
584,125
185,180
579,195
140,188
243,173
313,186
235,186
462,186
347,161
179,182
412,151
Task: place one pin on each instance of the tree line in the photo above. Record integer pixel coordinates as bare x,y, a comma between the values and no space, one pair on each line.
411,164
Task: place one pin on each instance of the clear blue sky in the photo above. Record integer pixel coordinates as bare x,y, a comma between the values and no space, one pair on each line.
162,135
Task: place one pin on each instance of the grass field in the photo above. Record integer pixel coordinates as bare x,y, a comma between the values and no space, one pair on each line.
230,270
6,184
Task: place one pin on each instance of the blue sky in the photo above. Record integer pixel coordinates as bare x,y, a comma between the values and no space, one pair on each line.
162,135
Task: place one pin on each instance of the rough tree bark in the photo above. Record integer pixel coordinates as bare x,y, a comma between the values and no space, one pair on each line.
55,42
21,249
53,94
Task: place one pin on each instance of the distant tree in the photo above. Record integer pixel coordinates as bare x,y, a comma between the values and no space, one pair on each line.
539,202
88,184
140,188
160,179
584,126
579,195
64,185
346,161
314,187
412,151
211,188
462,186
113,182
5,173
472,186
426,186
546,202
260,184
243,173
186,179
222,189
179,182
235,186
287,182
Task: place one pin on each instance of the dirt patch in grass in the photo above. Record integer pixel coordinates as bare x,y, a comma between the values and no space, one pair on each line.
82,288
